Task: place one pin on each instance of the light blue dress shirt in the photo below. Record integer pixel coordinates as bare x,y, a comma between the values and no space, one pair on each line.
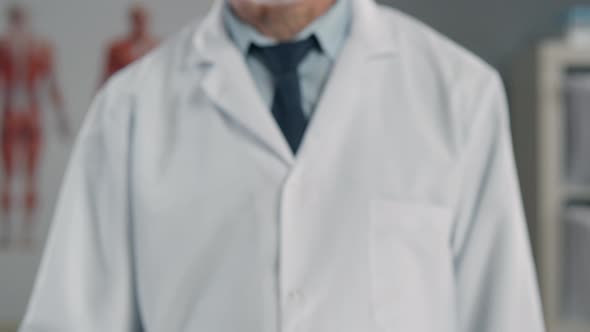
331,31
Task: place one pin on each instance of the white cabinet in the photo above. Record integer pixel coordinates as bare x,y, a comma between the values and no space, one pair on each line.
551,126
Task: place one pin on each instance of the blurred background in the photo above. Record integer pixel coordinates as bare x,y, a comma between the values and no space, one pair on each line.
541,48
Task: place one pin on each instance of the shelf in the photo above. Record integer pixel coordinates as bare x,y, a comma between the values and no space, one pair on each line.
8,327
539,122
571,326
567,54
577,193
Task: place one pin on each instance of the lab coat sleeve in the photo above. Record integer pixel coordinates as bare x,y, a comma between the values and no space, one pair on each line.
85,282
496,284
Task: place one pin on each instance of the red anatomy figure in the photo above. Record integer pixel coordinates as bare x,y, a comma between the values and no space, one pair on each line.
126,50
26,69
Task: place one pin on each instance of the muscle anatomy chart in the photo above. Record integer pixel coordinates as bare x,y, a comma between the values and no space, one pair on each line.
138,42
27,74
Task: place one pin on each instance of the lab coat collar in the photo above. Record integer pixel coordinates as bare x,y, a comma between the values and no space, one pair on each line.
368,29
229,83
331,30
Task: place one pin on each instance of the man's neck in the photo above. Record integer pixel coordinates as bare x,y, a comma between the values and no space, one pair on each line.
281,22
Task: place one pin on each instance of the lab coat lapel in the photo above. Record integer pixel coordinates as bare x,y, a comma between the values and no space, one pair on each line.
346,93
229,84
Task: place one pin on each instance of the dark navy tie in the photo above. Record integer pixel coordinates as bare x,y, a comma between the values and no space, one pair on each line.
282,61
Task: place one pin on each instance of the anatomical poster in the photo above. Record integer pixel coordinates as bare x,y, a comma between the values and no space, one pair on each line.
138,41
27,75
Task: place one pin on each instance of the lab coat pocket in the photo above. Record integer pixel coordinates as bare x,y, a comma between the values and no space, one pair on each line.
412,270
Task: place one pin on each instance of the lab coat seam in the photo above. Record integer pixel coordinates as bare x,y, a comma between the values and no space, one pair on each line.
465,156
114,114
138,321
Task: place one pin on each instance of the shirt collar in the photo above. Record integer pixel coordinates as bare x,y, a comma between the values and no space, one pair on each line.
331,30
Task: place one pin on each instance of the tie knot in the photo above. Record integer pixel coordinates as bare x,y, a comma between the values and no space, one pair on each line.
284,58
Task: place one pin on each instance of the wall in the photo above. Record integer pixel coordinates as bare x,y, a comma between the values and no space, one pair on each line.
496,30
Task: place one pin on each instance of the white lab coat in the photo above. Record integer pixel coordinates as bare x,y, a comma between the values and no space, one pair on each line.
183,208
